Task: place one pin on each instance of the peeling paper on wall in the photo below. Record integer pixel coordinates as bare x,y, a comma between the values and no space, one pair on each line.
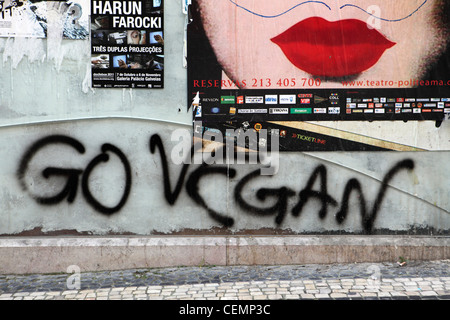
58,21
18,48
30,18
23,19
87,81
54,37
74,17
40,50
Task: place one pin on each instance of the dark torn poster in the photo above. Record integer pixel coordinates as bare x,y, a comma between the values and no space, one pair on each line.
127,44
369,75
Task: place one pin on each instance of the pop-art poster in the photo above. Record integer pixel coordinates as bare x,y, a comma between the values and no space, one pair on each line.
359,75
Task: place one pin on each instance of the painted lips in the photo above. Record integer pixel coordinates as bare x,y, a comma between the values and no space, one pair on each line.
332,49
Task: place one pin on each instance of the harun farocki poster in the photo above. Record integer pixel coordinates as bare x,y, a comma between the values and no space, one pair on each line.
127,44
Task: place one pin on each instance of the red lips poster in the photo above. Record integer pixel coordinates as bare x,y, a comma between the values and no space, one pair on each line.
366,66
332,49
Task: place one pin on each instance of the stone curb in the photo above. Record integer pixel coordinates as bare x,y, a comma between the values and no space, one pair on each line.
55,254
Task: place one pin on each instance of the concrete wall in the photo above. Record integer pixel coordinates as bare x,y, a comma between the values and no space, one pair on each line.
113,183
400,192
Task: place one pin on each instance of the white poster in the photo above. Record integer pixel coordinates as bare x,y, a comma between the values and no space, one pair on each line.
34,18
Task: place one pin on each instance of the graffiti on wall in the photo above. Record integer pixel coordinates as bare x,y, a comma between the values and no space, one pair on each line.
72,175
284,200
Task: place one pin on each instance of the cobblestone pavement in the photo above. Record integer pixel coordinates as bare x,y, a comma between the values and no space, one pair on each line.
359,281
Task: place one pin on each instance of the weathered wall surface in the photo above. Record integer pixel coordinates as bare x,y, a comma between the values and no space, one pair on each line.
76,160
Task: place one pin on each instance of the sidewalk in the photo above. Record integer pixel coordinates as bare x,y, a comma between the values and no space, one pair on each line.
416,280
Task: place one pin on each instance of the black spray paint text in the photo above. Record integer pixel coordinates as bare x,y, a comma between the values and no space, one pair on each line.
281,196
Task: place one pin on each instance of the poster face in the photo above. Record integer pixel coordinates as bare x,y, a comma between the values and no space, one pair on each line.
127,44
303,66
